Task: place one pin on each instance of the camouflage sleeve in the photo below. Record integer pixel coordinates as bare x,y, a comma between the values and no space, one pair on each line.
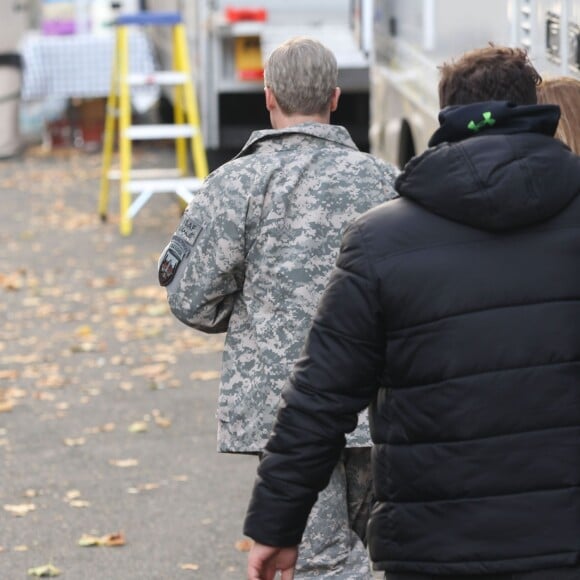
390,173
202,267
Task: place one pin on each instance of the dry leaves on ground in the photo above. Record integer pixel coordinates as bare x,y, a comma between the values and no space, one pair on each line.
20,510
244,545
124,462
204,375
189,566
45,571
109,540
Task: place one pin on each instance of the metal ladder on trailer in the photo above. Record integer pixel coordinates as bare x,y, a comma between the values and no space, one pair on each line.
136,186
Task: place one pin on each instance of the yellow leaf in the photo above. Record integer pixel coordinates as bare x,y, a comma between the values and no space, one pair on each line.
204,375
189,566
108,540
20,509
72,442
138,427
84,330
87,541
124,462
46,571
79,503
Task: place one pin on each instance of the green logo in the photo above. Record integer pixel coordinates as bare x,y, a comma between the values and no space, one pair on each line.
487,120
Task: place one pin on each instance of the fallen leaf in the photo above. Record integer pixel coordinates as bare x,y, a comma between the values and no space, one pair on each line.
84,330
143,487
124,462
74,442
106,428
204,375
108,540
12,281
189,566
46,571
51,382
43,396
79,503
244,545
138,427
20,510
162,422
149,370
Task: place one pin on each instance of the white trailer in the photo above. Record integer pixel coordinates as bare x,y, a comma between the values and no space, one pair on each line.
412,37
232,106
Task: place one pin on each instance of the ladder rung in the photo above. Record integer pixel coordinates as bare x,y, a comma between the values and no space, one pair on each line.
161,173
167,78
164,185
147,132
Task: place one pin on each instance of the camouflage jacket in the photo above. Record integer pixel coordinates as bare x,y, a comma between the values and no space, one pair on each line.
253,253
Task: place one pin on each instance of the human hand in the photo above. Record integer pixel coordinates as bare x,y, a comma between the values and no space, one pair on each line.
265,561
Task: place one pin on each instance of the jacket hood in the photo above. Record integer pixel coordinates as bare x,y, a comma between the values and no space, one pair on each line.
494,166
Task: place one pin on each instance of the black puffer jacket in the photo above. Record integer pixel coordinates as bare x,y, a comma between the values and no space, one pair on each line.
461,300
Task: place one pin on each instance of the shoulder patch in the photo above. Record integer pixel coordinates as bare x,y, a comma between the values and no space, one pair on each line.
188,230
172,257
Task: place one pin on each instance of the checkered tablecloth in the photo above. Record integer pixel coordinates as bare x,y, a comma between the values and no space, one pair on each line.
80,66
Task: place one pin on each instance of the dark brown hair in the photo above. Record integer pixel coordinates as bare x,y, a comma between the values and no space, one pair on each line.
493,73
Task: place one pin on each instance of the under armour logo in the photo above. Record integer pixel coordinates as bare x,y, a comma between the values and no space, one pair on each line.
487,120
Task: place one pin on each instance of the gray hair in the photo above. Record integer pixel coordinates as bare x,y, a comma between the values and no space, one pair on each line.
302,73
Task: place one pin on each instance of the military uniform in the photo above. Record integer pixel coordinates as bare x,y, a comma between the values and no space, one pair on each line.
254,252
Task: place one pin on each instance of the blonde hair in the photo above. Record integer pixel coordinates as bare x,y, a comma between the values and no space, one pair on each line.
565,92
302,73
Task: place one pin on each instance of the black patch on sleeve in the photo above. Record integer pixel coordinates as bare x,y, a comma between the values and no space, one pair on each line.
172,257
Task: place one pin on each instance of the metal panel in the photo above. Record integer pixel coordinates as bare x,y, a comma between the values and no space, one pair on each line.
14,17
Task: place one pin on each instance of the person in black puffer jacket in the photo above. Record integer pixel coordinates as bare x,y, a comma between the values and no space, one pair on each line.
454,312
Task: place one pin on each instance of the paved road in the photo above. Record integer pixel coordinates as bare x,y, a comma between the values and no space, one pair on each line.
106,402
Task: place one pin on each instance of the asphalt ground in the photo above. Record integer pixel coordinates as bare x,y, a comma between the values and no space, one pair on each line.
107,403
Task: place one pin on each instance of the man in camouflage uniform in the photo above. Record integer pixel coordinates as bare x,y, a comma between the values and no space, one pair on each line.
252,256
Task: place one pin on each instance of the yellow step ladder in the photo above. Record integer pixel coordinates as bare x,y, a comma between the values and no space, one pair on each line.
145,183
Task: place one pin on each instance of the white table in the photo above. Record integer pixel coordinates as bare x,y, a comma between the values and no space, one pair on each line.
80,66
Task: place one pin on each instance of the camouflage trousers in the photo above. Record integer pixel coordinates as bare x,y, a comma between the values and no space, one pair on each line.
333,544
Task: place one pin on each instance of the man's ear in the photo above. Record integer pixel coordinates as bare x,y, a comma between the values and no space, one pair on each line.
271,102
334,99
